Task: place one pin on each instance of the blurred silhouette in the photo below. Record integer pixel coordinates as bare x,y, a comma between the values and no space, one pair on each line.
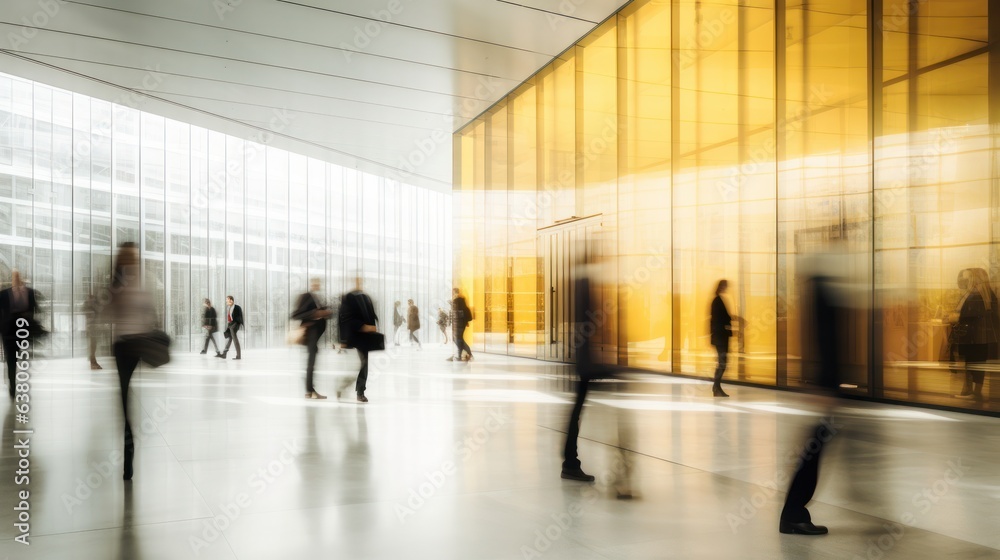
413,321
210,325
954,342
588,323
133,315
18,305
234,322
397,323
443,321
357,320
91,311
824,313
313,315
721,327
461,316
976,330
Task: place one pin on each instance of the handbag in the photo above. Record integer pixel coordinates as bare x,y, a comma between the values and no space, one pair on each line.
370,341
154,348
297,334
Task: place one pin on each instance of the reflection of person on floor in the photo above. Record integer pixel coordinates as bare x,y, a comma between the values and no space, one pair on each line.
92,310
977,330
588,368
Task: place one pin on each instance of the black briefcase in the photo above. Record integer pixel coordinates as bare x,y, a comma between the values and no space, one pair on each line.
370,341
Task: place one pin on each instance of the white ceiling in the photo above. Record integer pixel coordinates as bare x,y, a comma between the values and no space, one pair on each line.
324,76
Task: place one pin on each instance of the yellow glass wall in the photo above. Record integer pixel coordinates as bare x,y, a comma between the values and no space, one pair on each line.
693,141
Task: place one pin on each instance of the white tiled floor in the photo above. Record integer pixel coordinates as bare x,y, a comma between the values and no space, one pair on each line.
461,461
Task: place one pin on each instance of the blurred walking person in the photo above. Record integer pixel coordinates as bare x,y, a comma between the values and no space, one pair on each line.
210,325
977,326
413,322
397,323
234,322
18,305
92,311
313,314
443,321
358,329
461,316
133,314
721,327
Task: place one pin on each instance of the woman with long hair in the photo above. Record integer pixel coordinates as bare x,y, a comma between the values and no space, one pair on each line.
721,328
977,329
133,314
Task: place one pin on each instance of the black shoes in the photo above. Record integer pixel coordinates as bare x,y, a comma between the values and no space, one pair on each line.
362,398
220,355
237,358
203,352
804,528
718,392
577,474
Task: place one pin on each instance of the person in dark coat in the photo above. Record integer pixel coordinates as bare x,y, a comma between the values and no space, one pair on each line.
977,326
413,321
461,316
18,305
721,329
210,325
357,317
313,314
234,322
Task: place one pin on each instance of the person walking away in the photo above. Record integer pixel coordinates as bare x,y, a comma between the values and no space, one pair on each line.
977,325
397,323
92,310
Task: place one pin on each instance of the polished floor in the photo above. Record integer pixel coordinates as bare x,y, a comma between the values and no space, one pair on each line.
461,461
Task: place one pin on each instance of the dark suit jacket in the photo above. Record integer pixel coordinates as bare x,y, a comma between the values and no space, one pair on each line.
304,310
460,309
8,319
210,319
237,321
721,323
356,311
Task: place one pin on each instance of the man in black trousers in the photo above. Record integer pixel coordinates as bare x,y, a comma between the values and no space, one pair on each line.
17,314
234,322
356,320
313,315
827,318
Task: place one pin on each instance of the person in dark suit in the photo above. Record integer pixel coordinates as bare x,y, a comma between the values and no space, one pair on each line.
313,315
461,316
357,317
821,356
210,324
234,322
413,321
18,305
721,329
